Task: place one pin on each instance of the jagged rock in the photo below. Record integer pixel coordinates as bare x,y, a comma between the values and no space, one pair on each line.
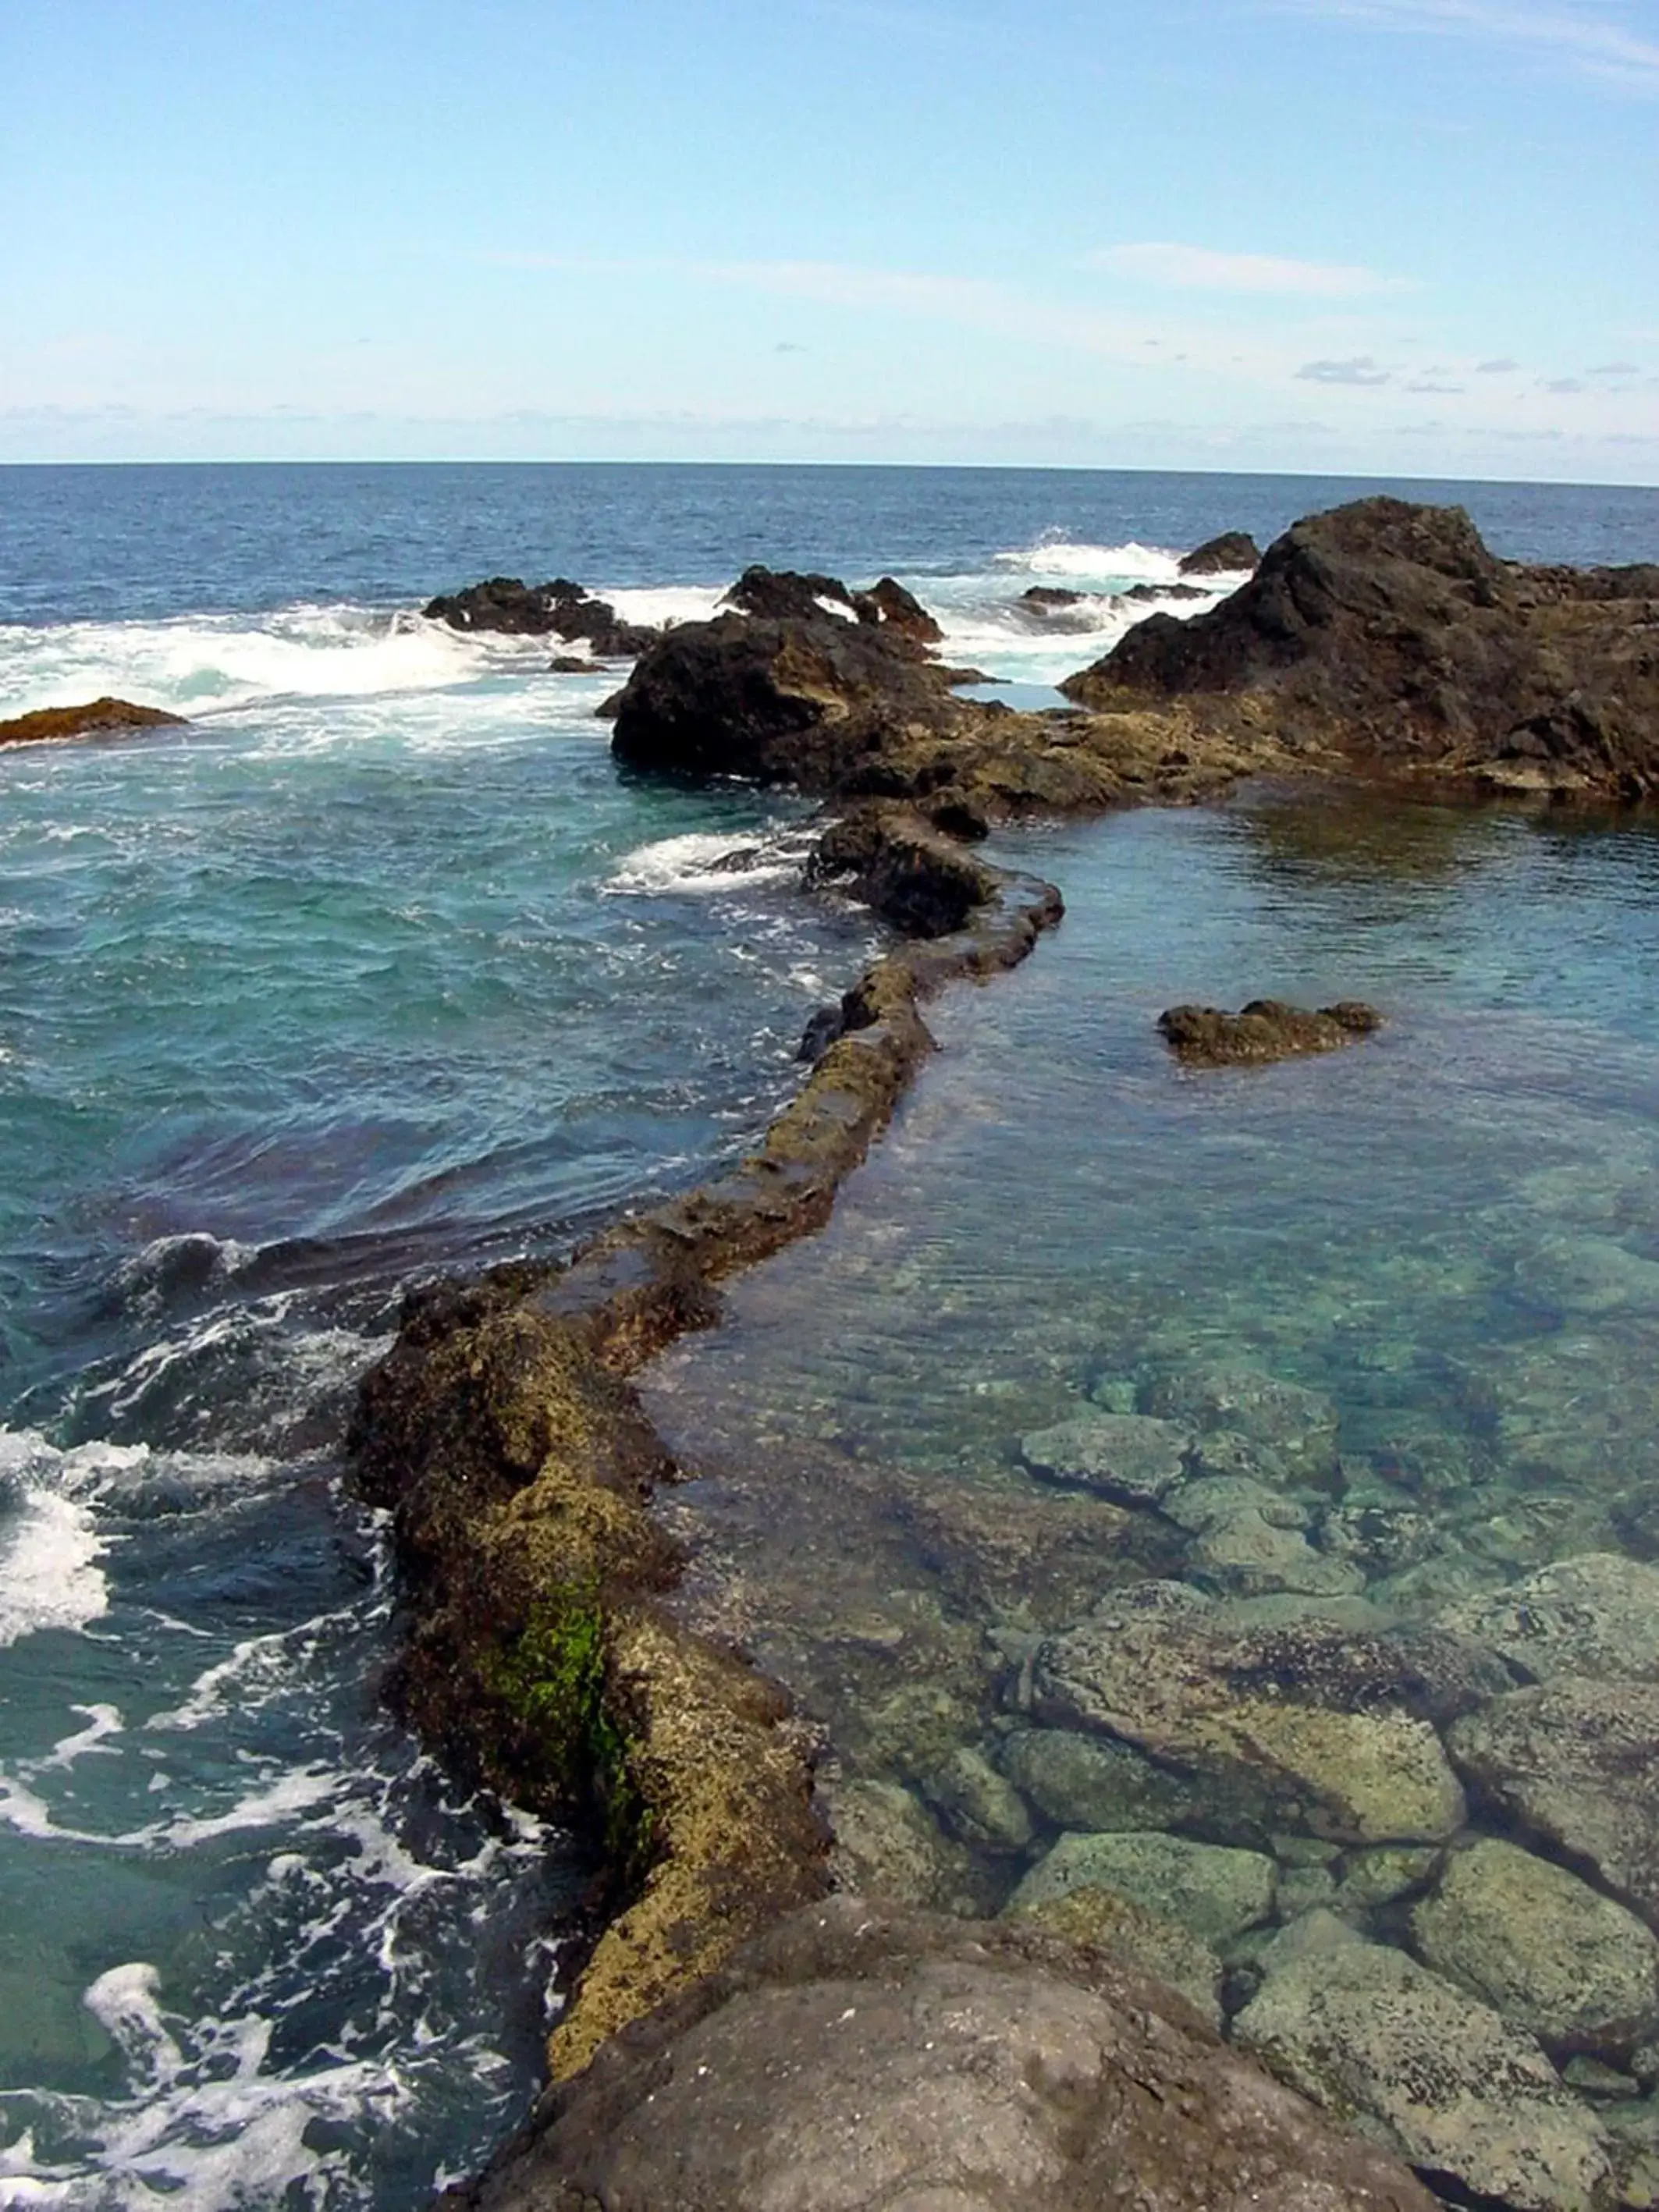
855,2061
1123,1455
793,595
1595,1616
912,873
1360,2028
1577,1762
1224,555
1092,1782
1553,1955
1127,1932
97,717
1265,1030
1304,1724
509,607
1214,1890
1389,630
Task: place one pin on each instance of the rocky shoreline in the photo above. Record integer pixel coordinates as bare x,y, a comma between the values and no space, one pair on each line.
545,1655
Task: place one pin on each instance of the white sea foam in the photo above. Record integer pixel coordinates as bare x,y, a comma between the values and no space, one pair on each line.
50,1543
1104,565
202,663
672,603
702,863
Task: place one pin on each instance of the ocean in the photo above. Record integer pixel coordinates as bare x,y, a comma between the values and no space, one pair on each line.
381,968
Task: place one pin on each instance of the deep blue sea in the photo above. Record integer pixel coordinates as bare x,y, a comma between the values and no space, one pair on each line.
380,968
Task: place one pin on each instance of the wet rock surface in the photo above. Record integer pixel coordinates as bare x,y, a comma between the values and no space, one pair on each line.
1266,1029
97,717
1391,629
856,2060
506,606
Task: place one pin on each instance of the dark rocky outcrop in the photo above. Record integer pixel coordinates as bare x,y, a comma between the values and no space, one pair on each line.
796,595
509,607
1265,1030
1224,555
1389,632
100,718
1045,598
856,2059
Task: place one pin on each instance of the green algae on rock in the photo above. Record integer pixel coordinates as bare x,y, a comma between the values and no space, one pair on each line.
1265,1030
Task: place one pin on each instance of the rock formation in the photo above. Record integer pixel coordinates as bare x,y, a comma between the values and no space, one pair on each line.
100,718
511,608
1266,1030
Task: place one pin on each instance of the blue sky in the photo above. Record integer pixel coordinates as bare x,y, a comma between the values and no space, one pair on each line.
1389,236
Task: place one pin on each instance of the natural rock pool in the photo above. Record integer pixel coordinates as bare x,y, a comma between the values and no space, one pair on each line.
1213,1511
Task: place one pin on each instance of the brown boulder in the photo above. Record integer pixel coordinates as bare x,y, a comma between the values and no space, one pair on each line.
1266,1030
854,2058
100,718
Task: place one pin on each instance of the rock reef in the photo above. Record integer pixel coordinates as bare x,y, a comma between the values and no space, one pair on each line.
1265,1030
508,607
99,718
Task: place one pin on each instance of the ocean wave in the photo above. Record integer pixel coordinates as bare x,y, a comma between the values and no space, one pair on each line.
705,864
194,664
1057,555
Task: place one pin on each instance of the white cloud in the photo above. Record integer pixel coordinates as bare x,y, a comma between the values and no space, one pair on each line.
1602,48
1199,269
1361,369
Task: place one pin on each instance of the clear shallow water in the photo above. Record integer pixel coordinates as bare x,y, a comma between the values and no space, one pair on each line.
380,967
1450,1232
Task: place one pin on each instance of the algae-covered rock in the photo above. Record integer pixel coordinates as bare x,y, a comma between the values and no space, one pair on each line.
1148,1942
97,717
1091,1782
1366,2031
857,2060
1578,1762
1214,1892
1123,1455
1380,1875
981,1806
1553,1955
1265,1030
1304,1723
1595,1616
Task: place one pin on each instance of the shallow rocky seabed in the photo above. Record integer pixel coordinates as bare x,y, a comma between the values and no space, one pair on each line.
1213,1515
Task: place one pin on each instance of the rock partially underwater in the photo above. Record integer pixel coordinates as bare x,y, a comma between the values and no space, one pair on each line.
99,718
506,606
1266,1029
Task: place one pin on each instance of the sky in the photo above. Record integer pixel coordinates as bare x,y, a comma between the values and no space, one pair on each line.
1387,237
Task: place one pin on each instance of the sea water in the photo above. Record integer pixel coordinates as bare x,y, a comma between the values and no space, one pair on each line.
380,968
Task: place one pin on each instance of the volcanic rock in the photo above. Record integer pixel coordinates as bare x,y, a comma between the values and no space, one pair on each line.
99,718
1224,555
1266,1029
1389,630
509,607
853,2059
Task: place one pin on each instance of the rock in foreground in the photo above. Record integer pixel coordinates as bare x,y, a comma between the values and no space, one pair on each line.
852,2059
1265,1030
99,718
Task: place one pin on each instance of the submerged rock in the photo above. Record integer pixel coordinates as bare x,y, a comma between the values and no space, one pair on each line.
888,1845
1214,1890
1553,1955
1595,1616
856,2060
1128,1457
1362,2029
1131,1935
1265,1030
97,717
1577,1762
1092,1782
1219,556
1298,1725
1292,1428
